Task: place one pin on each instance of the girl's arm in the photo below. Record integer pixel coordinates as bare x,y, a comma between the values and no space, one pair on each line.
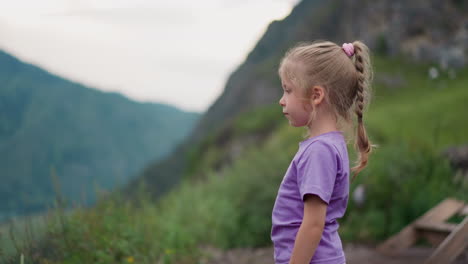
310,232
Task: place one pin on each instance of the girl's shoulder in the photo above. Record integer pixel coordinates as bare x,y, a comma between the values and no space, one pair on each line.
331,144
328,151
331,139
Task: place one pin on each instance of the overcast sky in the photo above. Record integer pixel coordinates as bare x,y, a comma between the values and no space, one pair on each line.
177,52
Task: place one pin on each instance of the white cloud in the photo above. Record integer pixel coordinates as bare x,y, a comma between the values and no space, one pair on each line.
177,52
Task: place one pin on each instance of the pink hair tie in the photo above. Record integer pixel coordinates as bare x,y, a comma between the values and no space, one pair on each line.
348,49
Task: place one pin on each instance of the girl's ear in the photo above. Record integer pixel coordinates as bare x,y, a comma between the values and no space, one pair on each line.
317,94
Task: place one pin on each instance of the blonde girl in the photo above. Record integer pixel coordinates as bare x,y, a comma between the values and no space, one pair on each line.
325,86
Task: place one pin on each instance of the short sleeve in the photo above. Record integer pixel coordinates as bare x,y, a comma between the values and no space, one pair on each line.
316,171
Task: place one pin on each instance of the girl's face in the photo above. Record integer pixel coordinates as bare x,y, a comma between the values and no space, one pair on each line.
295,109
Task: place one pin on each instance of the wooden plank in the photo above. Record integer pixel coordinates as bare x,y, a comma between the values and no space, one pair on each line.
399,242
452,246
442,227
408,235
443,211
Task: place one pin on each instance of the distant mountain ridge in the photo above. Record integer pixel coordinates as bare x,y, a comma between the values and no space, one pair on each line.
86,137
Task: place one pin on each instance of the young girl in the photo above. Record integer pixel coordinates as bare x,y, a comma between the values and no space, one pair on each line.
323,85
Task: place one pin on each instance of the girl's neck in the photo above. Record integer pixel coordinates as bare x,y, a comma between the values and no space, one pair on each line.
322,124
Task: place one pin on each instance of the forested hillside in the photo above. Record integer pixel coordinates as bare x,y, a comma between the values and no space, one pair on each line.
57,132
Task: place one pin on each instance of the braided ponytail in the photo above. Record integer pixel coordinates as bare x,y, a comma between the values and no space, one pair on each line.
363,67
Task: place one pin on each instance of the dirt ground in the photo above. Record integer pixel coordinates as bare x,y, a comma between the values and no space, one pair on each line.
355,254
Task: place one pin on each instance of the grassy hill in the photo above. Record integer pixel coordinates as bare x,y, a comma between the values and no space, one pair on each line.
421,31
411,117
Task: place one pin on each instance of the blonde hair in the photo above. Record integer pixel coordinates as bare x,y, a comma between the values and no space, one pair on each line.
346,80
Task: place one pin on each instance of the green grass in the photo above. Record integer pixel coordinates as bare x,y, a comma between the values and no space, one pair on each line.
423,111
412,122
23,231
258,122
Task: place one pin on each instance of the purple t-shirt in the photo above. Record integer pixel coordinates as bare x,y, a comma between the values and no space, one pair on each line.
320,167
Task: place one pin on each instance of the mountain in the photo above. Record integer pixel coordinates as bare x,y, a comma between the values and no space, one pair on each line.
54,132
224,177
426,31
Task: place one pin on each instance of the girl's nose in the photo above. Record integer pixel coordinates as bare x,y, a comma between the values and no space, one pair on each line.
281,101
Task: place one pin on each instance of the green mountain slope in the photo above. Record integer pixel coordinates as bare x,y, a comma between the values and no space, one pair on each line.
230,206
415,30
86,138
406,175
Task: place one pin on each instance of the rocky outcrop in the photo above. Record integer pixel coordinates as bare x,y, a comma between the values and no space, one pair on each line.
435,31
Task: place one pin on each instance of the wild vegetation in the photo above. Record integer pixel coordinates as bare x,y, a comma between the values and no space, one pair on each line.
412,118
